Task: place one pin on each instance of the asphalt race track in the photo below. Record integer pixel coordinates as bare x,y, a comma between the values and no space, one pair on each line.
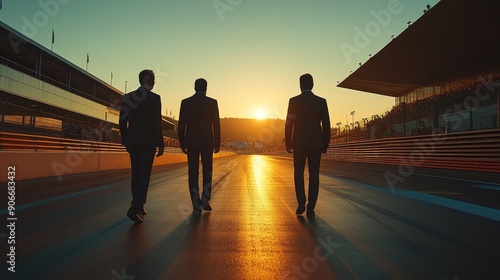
372,222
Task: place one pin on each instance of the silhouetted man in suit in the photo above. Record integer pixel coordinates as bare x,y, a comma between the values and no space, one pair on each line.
199,135
141,131
307,135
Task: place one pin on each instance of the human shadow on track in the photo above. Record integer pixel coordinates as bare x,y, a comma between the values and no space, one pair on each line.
152,264
344,258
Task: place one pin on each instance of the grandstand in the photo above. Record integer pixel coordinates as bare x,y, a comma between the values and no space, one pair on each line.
443,70
41,93
444,73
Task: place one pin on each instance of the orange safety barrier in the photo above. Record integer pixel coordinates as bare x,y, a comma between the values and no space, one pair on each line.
477,150
17,141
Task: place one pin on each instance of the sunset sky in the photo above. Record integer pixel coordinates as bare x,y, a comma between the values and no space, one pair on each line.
252,52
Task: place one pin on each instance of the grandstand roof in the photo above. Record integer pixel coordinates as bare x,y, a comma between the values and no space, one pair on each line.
453,40
22,50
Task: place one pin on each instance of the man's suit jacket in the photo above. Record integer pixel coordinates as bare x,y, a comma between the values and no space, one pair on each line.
199,123
140,119
307,122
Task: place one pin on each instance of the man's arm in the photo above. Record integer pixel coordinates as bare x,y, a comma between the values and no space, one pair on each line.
216,127
123,121
158,129
325,124
181,129
290,121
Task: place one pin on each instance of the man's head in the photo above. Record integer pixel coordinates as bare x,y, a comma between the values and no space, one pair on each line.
147,78
200,85
306,82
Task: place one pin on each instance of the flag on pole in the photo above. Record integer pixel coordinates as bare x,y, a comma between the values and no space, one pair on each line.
87,65
53,39
111,77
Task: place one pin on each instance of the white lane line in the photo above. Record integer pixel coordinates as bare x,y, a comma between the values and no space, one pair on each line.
58,198
474,209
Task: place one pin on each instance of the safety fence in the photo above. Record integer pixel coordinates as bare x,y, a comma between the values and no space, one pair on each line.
477,150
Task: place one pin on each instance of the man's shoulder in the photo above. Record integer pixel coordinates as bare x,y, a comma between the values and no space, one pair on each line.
196,98
126,98
127,95
155,94
187,99
139,92
205,98
321,98
317,97
304,97
213,100
295,98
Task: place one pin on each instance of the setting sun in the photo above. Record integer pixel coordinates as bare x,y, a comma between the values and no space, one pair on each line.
260,114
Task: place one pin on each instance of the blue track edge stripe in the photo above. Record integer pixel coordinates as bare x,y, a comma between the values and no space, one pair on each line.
57,198
474,209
